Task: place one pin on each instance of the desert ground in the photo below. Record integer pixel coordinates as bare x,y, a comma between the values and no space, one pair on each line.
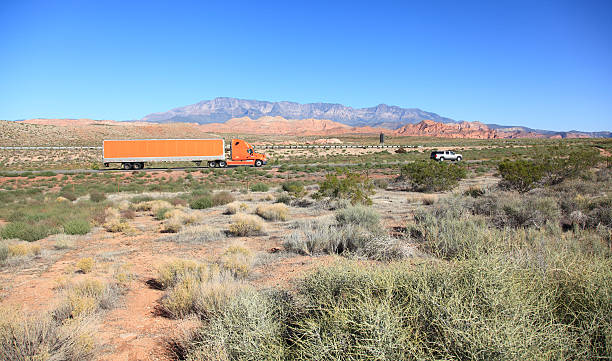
323,254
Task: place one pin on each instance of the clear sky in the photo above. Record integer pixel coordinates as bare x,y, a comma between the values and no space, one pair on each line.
543,64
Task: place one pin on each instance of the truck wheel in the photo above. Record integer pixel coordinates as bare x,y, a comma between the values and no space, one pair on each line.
222,164
258,163
127,166
212,164
441,159
458,159
137,166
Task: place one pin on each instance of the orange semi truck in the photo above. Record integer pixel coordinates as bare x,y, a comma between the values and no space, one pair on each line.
133,154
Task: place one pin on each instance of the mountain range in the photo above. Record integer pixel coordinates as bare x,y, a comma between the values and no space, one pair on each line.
218,111
221,110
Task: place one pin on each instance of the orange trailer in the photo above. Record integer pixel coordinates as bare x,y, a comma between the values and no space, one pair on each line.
133,154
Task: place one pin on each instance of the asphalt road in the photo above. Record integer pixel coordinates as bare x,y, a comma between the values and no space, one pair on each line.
107,170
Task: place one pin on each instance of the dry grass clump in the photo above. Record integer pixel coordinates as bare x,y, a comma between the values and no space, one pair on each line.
86,298
194,288
23,249
176,218
197,234
354,230
114,223
237,259
41,337
153,206
235,207
247,326
273,212
64,241
85,265
245,225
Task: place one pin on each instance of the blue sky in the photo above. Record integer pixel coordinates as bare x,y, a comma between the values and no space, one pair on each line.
543,64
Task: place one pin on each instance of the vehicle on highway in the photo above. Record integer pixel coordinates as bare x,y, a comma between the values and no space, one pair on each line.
442,155
135,153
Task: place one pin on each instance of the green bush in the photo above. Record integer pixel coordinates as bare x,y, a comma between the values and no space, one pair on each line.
77,226
97,196
294,188
201,202
260,187
348,185
160,214
25,231
550,168
68,195
520,175
426,176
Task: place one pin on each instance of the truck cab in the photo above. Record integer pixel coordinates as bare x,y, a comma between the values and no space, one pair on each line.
243,153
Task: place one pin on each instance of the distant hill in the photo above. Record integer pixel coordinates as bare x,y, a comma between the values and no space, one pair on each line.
220,110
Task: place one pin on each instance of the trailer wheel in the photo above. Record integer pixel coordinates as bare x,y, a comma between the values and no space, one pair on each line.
212,164
127,166
258,163
222,164
137,166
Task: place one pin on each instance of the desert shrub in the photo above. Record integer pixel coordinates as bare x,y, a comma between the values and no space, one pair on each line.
153,205
401,151
474,192
170,273
249,326
23,249
194,288
245,225
386,248
381,183
424,176
273,212
4,252
521,175
360,216
64,242
235,207
452,237
161,213
25,231
172,225
68,195
97,196
40,337
77,226
87,297
428,200
294,188
196,234
85,265
398,312
237,260
283,198
348,185
221,198
128,214
260,187
512,210
201,203
551,168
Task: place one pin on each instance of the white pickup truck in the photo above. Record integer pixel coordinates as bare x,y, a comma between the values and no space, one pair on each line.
442,155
